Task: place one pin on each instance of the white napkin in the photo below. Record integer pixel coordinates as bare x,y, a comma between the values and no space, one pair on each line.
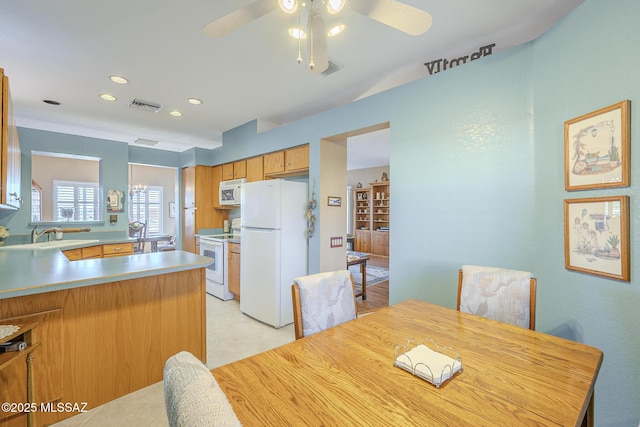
428,364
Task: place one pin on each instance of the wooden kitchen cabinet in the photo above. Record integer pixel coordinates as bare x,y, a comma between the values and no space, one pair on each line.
227,171
99,251
119,249
290,162
255,169
234,270
239,169
273,163
198,201
235,170
10,195
380,243
297,159
363,241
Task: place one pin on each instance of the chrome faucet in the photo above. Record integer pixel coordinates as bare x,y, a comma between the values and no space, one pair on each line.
35,235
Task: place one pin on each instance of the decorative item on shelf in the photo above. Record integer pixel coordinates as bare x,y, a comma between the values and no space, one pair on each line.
359,185
4,233
311,218
384,177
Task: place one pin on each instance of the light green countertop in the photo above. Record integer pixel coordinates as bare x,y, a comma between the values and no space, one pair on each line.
27,272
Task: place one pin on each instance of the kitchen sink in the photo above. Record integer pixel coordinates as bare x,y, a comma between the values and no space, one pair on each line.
54,244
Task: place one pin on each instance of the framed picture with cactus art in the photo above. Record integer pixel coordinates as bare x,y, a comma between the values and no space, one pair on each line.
597,149
596,236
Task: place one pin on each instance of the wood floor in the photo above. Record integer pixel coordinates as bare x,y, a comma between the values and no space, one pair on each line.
378,295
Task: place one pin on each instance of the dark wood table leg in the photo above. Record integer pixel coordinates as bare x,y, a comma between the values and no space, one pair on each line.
363,270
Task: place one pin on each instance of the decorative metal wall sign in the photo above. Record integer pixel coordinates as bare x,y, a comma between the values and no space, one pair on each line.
444,64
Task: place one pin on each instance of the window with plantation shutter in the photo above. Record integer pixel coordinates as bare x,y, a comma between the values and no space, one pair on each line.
147,207
76,201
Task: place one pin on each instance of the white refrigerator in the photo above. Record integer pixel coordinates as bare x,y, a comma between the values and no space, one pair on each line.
274,248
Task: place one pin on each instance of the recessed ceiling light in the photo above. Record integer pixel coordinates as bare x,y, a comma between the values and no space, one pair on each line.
119,79
107,97
50,102
194,101
336,30
297,33
175,113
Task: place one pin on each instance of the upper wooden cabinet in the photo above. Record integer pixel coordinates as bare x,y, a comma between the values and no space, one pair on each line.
239,169
293,161
10,196
255,169
235,170
227,171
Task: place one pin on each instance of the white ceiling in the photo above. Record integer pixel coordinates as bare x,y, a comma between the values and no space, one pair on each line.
65,50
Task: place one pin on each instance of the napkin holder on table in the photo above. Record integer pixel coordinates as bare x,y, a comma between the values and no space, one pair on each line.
428,360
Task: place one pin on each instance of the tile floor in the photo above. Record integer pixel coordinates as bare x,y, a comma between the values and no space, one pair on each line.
231,336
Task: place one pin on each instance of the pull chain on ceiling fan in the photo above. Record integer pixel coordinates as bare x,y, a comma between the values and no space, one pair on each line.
393,13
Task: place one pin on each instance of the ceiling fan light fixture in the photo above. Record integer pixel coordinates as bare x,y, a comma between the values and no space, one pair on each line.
335,30
297,33
288,6
335,6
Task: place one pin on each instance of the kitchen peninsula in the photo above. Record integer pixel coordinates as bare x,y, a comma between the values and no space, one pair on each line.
105,326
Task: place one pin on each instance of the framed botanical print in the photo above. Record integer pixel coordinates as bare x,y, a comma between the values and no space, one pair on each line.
597,152
596,236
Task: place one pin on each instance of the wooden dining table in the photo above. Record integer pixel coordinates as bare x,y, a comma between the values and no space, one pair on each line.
359,258
345,376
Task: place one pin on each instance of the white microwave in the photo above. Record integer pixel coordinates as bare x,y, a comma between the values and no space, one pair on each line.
230,191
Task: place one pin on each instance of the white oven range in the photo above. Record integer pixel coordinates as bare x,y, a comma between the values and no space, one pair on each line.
217,247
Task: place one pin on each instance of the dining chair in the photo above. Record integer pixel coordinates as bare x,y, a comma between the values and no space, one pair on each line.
170,246
192,395
499,294
138,230
321,301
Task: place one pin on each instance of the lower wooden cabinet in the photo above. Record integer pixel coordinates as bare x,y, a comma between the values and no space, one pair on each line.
99,251
373,242
234,270
380,243
119,249
363,241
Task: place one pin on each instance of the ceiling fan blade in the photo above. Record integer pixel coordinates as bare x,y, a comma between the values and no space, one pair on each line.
400,16
317,50
231,22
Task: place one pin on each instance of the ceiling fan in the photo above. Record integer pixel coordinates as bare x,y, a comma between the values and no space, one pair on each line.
393,13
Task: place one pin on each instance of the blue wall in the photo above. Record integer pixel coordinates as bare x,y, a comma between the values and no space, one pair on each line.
477,176
114,168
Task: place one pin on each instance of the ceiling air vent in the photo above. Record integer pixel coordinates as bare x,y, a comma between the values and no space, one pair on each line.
332,68
149,142
145,105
